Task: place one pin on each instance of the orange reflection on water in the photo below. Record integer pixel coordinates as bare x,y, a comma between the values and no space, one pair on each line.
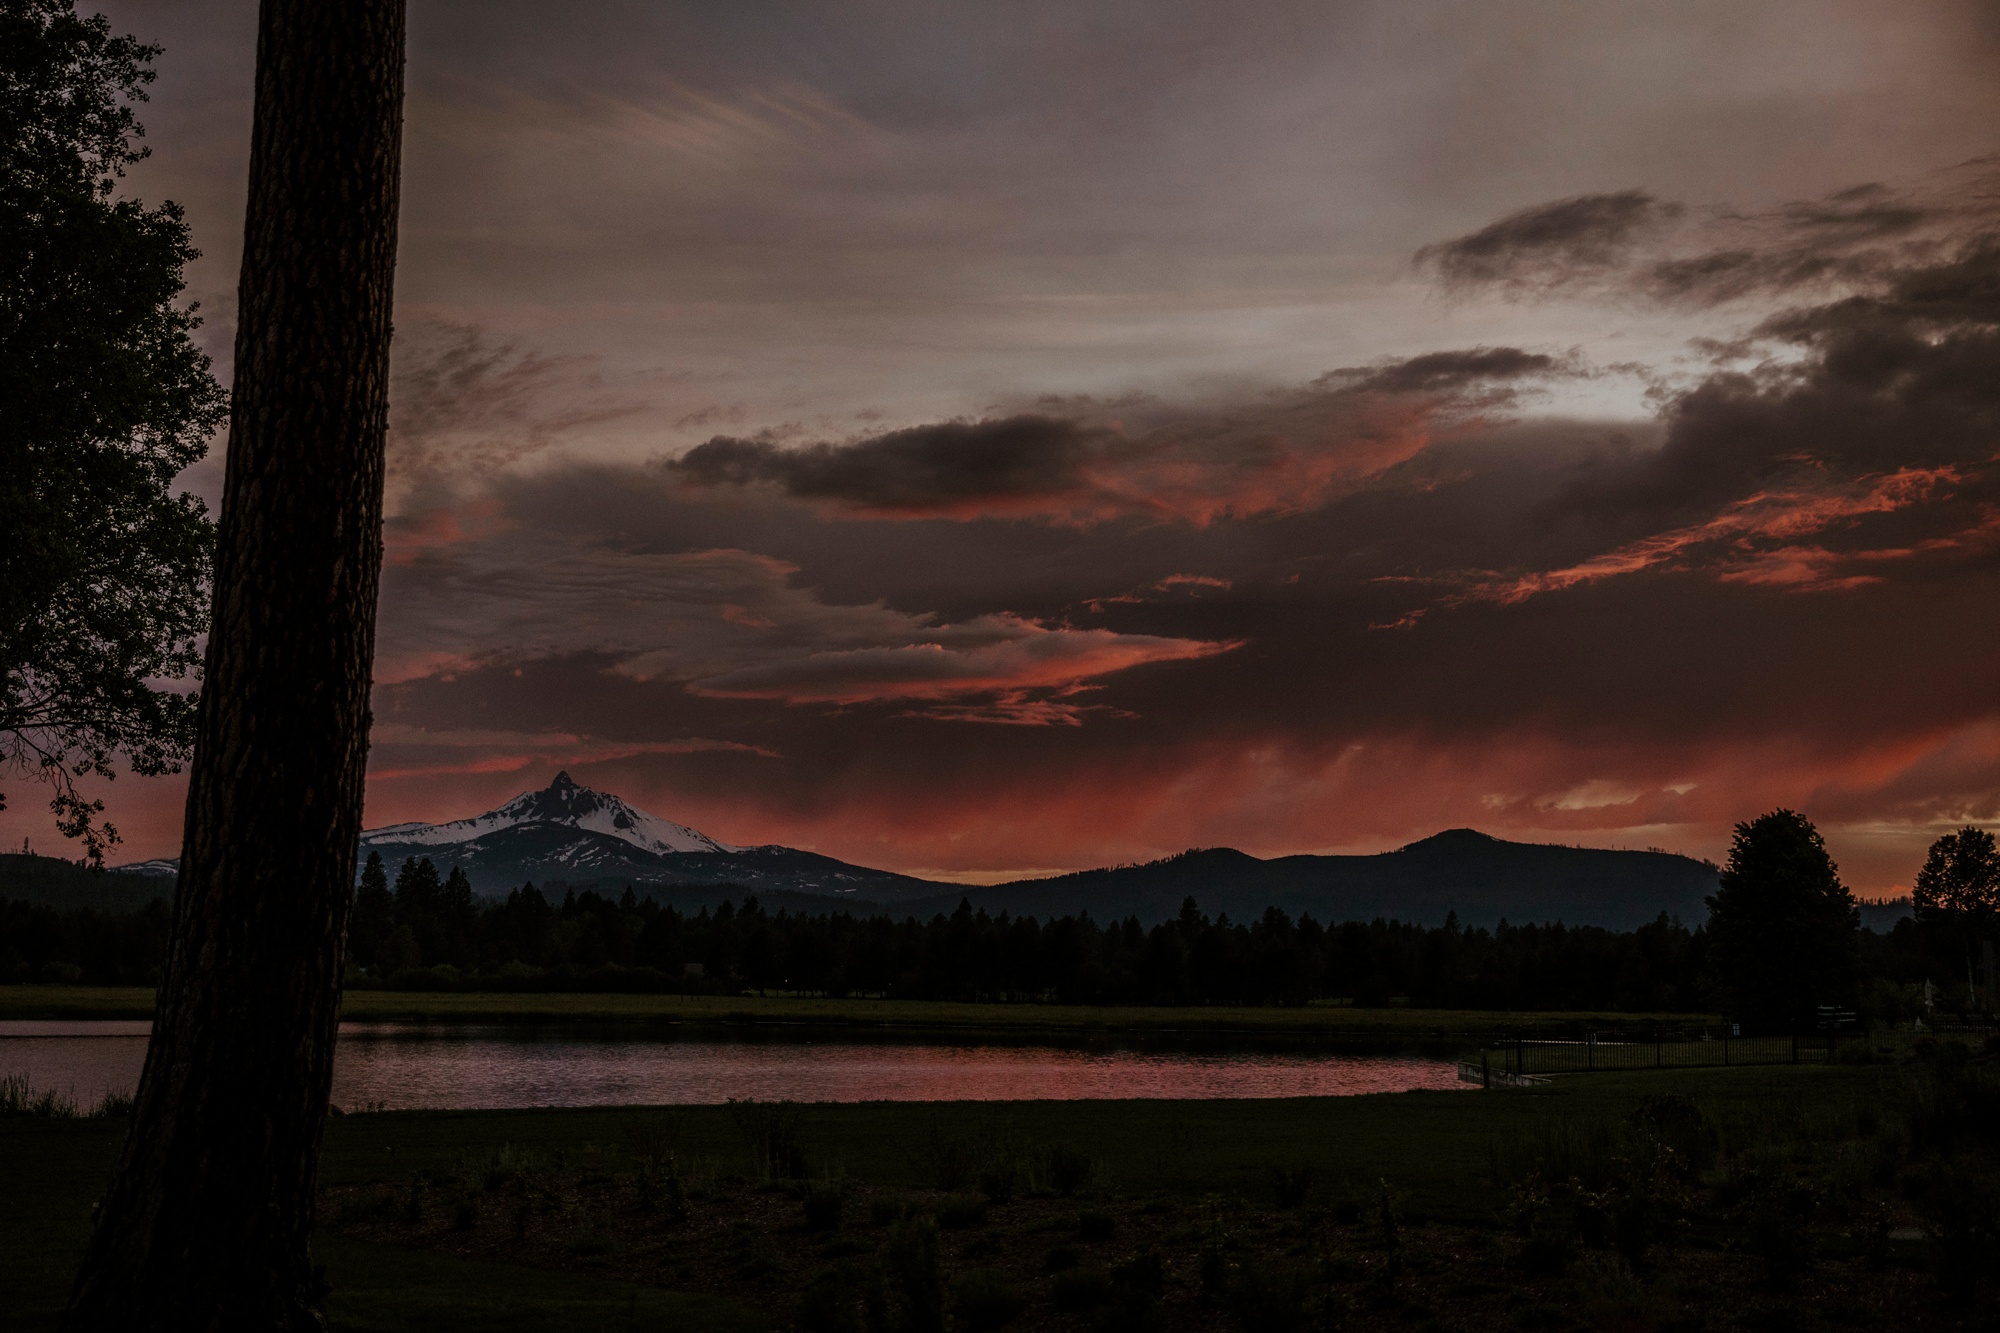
471,1068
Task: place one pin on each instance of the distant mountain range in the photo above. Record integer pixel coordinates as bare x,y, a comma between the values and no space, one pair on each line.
574,835
567,835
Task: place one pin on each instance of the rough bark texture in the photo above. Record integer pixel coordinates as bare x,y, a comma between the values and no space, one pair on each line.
207,1220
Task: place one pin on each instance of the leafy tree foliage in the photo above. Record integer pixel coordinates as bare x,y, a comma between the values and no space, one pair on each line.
1956,900
103,572
1960,880
1782,927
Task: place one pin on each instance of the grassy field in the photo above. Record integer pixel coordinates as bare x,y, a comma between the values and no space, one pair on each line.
1435,1147
1163,1170
53,1169
368,1006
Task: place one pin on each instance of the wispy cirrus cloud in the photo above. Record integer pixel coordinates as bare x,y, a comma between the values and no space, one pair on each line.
463,402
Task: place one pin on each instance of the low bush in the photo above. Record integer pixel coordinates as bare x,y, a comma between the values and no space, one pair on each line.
958,1211
824,1203
1270,1301
1962,1207
1080,1289
772,1131
1092,1225
1291,1184
1136,1287
948,1160
984,1299
18,1098
1068,1169
915,1277
1143,1271
834,1301
590,1240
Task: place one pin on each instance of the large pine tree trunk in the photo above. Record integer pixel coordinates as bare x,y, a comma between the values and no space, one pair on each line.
207,1219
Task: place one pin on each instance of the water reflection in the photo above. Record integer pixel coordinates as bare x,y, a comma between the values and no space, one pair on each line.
493,1067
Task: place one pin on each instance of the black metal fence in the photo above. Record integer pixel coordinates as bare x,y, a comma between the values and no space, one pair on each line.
1526,1059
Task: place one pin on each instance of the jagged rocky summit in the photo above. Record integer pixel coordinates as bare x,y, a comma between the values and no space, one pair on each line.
562,803
571,834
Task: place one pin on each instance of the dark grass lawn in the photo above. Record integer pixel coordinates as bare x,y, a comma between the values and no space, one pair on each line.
1435,1150
1434,1147
51,1170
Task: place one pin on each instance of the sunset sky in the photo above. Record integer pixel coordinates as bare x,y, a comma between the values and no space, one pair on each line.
982,439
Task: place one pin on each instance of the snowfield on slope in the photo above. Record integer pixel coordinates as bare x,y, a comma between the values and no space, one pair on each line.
561,802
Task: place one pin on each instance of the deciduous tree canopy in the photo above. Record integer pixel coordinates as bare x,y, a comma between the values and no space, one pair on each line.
1782,926
1956,900
103,576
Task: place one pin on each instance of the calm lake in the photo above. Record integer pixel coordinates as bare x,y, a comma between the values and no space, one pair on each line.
409,1067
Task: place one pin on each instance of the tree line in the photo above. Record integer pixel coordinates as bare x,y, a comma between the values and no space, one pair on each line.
429,931
1781,939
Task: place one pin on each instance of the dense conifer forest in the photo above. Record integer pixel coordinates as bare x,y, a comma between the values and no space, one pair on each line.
428,931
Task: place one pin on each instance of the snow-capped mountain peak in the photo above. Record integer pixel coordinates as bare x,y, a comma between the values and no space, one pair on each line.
562,802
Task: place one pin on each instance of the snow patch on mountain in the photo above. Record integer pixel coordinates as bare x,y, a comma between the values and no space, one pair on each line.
564,803
161,868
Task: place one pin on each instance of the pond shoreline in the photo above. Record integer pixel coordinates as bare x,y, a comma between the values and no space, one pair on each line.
508,1067
924,1017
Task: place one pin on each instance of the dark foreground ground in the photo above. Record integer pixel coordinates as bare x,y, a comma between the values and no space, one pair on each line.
1849,1196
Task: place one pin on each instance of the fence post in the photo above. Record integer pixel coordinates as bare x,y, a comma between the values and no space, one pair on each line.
1520,1055
1590,1050
1659,1049
1485,1069
1725,1046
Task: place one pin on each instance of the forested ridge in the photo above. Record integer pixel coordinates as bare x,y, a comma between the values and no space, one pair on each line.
428,931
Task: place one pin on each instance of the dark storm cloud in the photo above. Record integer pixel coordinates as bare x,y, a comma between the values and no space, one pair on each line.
1452,372
1854,235
1903,375
1549,245
924,467
1084,460
1666,253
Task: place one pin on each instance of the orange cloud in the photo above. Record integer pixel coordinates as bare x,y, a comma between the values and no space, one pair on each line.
1288,454
994,654
459,753
1730,543
405,537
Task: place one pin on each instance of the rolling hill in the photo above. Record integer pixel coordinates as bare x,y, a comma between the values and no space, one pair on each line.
1480,878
